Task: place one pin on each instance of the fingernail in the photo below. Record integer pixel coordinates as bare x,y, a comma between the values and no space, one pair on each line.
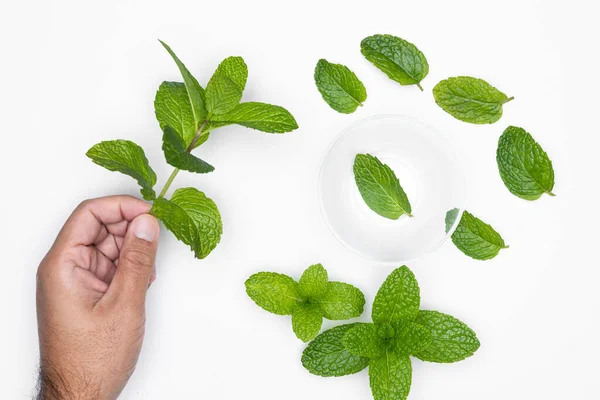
145,228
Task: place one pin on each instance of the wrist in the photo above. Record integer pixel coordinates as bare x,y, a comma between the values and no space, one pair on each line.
56,385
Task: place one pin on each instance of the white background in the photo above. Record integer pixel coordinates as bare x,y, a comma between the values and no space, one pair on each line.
78,72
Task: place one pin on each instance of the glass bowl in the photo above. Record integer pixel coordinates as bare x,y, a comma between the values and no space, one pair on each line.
428,172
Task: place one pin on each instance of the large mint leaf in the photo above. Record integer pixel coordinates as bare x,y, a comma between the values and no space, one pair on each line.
327,356
260,116
225,88
313,282
400,60
362,340
524,166
276,293
451,341
390,376
477,239
177,155
470,99
128,158
192,217
306,321
380,188
411,338
398,298
339,86
341,301
194,90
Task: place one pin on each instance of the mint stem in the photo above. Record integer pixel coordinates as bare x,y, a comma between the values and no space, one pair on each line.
511,98
419,86
176,170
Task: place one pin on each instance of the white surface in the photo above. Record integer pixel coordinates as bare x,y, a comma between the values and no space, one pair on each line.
427,170
78,72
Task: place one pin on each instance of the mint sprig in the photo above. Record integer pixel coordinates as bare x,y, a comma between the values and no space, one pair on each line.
307,301
187,114
399,330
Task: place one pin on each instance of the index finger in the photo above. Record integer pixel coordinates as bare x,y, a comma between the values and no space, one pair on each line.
86,222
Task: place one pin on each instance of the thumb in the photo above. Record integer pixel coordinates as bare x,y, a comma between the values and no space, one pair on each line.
136,261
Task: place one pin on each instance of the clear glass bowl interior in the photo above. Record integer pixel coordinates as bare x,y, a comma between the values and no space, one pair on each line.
428,172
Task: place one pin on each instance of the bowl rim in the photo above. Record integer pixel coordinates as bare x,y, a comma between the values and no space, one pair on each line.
461,177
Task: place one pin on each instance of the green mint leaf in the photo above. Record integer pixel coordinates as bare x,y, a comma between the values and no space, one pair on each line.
260,116
306,321
390,376
452,340
451,217
339,86
362,340
398,298
176,154
222,95
128,158
477,239
341,301
524,166
380,188
327,356
411,338
192,217
172,108
313,283
400,60
225,88
194,90
470,99
235,69
275,293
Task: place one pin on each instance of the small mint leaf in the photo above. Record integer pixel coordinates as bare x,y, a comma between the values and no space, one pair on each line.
306,321
172,108
128,158
339,86
390,376
452,340
273,292
313,283
362,340
192,217
176,154
411,338
380,188
327,356
477,239
398,297
342,301
226,86
470,99
524,166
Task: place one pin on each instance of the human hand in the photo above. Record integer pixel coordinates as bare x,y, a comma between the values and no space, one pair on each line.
91,293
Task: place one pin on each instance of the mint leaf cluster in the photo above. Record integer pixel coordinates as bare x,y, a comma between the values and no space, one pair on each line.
380,188
308,301
187,114
400,330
